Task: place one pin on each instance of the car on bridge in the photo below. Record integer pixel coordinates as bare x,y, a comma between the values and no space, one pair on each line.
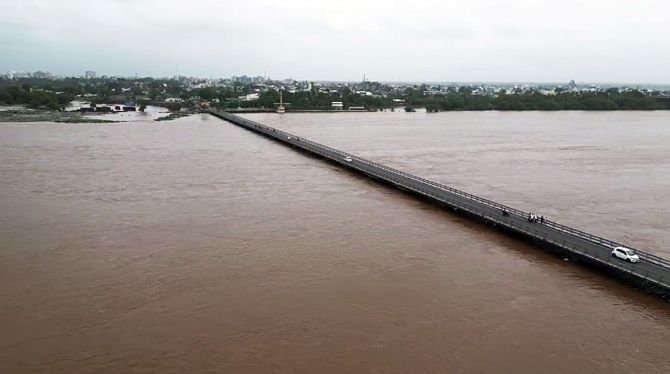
625,254
348,159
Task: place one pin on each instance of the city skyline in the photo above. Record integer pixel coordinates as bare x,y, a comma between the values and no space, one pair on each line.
432,41
88,74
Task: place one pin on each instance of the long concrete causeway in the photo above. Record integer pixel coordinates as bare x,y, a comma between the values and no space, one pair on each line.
651,273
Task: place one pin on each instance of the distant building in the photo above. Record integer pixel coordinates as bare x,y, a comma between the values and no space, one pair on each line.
243,79
572,85
250,97
337,105
90,74
129,106
42,75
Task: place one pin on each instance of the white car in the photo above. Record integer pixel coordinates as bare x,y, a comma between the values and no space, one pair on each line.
348,159
625,254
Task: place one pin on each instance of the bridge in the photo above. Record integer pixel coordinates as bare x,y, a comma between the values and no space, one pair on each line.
651,273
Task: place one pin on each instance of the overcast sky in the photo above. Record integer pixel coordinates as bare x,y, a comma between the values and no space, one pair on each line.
517,40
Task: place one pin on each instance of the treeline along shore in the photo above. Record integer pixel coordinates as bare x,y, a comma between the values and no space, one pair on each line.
633,100
182,92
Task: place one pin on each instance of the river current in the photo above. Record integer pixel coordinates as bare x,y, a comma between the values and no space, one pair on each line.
197,246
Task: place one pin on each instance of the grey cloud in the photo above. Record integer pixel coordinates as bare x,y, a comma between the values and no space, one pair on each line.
516,40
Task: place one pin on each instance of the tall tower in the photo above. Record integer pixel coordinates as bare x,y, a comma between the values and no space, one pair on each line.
281,109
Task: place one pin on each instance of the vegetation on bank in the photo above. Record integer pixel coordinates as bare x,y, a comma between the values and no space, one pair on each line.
633,100
56,94
314,100
175,114
608,100
85,120
34,97
47,115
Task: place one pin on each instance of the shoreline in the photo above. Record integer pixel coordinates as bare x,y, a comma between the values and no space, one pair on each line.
42,115
22,114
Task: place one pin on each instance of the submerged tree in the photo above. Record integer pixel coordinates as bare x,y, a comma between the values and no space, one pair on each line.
143,104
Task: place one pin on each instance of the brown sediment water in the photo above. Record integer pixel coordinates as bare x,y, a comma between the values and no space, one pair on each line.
197,246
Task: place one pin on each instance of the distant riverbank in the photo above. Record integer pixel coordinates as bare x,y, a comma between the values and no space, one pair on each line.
23,114
16,114
254,110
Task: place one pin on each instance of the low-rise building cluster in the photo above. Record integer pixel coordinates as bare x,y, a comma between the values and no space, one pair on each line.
243,88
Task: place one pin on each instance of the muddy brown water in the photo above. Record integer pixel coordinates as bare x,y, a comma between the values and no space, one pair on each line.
197,246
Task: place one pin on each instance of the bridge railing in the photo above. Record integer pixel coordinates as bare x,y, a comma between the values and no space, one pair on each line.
582,234
660,261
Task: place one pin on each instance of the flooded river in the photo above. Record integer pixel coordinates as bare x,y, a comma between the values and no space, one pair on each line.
196,246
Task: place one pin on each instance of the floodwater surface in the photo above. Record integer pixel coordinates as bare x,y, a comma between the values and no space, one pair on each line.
197,246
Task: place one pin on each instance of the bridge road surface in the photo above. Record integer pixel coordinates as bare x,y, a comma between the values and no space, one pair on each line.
650,271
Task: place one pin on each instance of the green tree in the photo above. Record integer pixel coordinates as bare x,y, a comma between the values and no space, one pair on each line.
143,104
173,107
432,108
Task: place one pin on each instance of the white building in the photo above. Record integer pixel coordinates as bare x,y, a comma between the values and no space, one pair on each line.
250,97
